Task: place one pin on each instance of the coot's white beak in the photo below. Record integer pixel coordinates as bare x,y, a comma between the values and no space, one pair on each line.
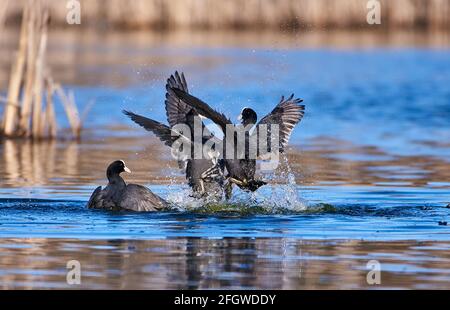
126,169
239,118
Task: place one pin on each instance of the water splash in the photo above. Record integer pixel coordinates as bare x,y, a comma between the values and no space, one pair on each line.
280,195
281,192
183,200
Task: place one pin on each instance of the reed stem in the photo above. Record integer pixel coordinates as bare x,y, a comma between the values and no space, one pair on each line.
11,106
33,115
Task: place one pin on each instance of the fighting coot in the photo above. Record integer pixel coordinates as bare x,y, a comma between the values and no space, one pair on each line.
204,175
241,172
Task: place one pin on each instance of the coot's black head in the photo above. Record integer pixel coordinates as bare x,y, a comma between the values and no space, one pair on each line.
116,168
248,116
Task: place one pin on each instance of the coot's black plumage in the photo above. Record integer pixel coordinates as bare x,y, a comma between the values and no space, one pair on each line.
118,195
205,176
241,172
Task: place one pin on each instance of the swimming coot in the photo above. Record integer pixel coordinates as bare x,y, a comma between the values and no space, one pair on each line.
118,195
241,172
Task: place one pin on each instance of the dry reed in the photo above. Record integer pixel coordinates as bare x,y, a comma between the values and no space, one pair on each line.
29,109
68,101
3,14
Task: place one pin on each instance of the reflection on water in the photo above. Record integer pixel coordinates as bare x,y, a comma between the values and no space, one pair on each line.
62,166
32,164
242,263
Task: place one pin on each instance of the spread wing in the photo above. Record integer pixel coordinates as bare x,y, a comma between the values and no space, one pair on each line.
177,112
286,115
95,198
176,109
163,132
203,108
141,199
100,200
166,134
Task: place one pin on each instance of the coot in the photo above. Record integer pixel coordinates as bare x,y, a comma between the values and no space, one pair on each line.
118,195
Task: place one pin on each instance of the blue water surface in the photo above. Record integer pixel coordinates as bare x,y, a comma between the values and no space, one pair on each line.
392,100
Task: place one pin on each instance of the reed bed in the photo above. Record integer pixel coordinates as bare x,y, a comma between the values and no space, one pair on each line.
29,108
214,14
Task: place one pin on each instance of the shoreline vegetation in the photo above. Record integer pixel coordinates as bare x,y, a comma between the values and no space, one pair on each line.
28,110
245,14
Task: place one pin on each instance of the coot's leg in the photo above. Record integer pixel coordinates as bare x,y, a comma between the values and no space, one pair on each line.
202,184
237,182
214,173
228,190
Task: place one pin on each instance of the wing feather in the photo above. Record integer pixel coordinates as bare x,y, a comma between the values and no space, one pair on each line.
176,109
163,132
287,114
203,108
95,201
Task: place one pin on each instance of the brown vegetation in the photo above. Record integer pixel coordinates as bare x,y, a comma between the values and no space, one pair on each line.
28,108
215,14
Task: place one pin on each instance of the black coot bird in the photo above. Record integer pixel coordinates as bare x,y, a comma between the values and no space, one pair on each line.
118,195
241,172
205,176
